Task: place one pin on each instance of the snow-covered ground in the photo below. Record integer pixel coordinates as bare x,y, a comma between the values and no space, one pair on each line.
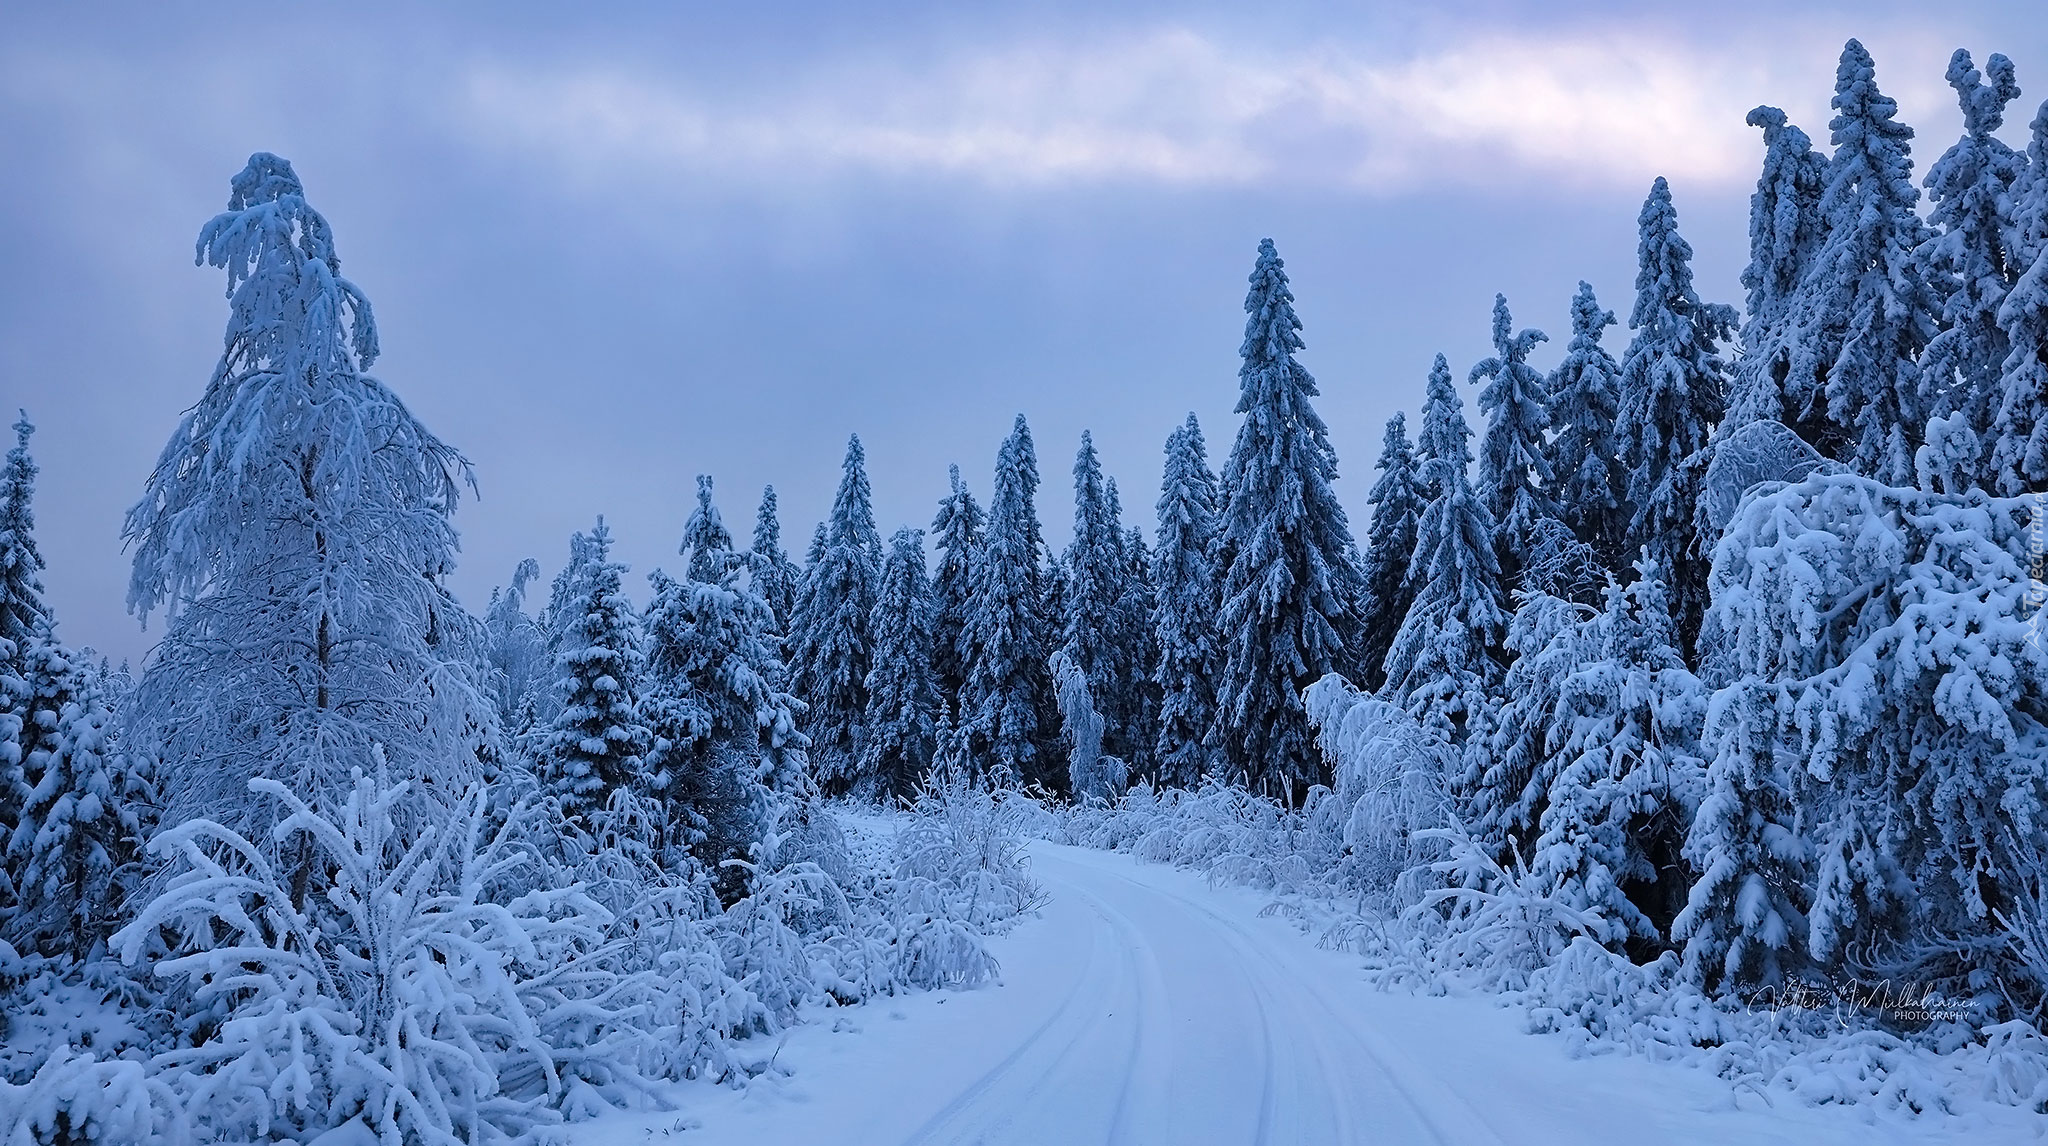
1145,1006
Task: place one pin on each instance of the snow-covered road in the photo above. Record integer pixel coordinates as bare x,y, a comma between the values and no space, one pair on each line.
1178,1023
1146,1007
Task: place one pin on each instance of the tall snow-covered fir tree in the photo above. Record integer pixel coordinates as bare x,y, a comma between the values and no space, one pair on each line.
1785,230
1673,386
1514,469
598,742
2019,429
1588,484
725,738
903,701
1442,660
296,535
1864,311
1007,709
956,532
74,808
1290,590
774,575
1138,646
1184,609
1967,261
832,646
22,608
23,616
1103,623
1397,499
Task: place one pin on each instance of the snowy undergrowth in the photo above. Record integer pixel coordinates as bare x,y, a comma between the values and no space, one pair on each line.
467,987
1380,866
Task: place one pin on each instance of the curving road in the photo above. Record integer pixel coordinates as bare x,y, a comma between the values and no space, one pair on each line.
1177,1023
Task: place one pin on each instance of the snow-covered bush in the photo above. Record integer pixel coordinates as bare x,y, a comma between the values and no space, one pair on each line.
1392,784
79,1099
968,842
404,993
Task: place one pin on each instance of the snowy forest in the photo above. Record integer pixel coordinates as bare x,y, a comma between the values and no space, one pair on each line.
1702,669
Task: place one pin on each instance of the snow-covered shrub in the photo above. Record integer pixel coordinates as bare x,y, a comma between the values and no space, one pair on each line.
1477,923
968,843
78,1099
1392,785
404,993
764,934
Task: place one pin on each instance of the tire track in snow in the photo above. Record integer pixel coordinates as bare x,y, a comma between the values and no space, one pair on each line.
1279,1055
986,1111
1141,1096
1446,1116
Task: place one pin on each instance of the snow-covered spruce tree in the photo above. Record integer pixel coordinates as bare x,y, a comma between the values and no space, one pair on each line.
1864,311
773,574
1629,776
1290,590
73,806
598,743
1967,261
1879,758
1398,499
956,532
1443,658
1785,229
86,809
1137,643
902,699
22,608
706,547
1006,707
515,651
296,535
1184,609
832,647
1588,485
2019,430
1506,785
1099,636
725,730
1673,385
1514,469
23,616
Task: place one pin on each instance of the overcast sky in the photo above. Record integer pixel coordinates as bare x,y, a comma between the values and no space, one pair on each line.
611,247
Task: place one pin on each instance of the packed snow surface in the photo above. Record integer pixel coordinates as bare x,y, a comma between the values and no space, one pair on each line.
1147,1007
